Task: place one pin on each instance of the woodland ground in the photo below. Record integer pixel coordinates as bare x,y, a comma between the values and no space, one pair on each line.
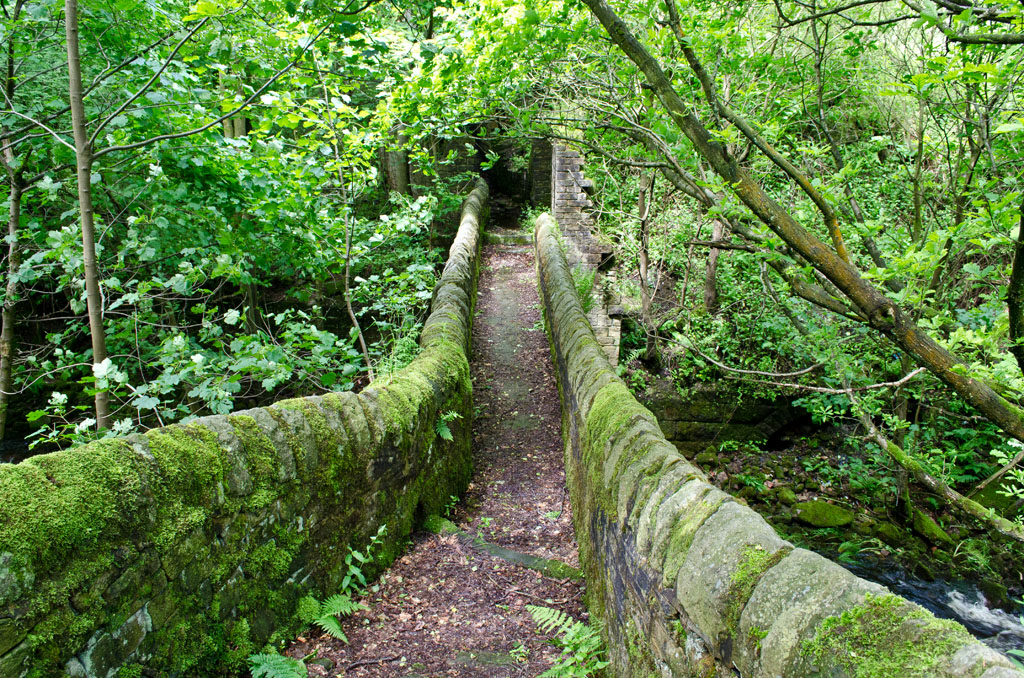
445,608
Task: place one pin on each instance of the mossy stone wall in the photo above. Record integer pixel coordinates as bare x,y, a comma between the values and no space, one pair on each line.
710,413
185,549
690,582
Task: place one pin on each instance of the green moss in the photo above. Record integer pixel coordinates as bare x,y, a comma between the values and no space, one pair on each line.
755,562
883,638
683,532
822,514
130,671
298,449
641,664
328,441
269,563
261,458
68,502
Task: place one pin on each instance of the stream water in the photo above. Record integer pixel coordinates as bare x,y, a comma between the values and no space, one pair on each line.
958,600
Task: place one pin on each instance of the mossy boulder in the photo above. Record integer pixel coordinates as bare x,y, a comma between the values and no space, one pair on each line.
864,525
786,495
889,533
706,458
926,526
822,514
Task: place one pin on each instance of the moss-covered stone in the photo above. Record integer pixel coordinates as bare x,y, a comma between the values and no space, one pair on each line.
889,533
822,514
926,526
658,545
706,458
786,495
186,548
884,637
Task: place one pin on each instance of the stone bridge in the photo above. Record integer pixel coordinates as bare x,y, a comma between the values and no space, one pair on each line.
195,541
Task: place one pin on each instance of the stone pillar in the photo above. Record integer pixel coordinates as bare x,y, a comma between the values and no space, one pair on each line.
570,206
540,172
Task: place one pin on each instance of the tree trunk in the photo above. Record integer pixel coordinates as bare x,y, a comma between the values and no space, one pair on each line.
647,291
396,165
918,228
227,123
10,297
1015,296
83,162
881,313
711,272
253,316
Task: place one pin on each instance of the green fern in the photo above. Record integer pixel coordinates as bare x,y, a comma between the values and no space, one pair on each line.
325,614
276,666
337,605
624,362
441,425
583,279
550,620
582,648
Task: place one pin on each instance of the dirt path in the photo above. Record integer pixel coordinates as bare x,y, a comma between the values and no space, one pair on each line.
445,608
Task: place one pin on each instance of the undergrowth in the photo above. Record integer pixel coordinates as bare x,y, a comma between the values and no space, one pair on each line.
582,647
326,615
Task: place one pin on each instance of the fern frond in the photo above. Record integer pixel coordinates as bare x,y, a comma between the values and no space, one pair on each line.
442,429
332,627
276,666
550,620
340,603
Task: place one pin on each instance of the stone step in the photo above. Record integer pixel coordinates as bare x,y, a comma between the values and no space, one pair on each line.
548,567
508,238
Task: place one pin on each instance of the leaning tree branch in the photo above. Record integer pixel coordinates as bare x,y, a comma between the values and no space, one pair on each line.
783,163
883,315
944,491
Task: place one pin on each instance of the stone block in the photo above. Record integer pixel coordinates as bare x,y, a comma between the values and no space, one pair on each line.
106,652
11,633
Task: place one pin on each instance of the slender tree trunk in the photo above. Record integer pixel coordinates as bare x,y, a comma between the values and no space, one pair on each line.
396,164
646,293
918,228
348,232
13,253
711,271
643,256
1015,296
227,123
83,161
10,298
253,315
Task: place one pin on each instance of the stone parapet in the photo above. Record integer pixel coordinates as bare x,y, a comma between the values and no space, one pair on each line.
686,580
187,548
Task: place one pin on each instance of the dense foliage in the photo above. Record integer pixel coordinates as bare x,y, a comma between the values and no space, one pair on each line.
814,198
239,207
819,199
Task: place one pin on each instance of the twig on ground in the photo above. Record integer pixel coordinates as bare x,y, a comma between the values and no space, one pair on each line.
376,660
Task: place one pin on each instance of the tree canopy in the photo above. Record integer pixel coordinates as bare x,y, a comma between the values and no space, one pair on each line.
815,198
